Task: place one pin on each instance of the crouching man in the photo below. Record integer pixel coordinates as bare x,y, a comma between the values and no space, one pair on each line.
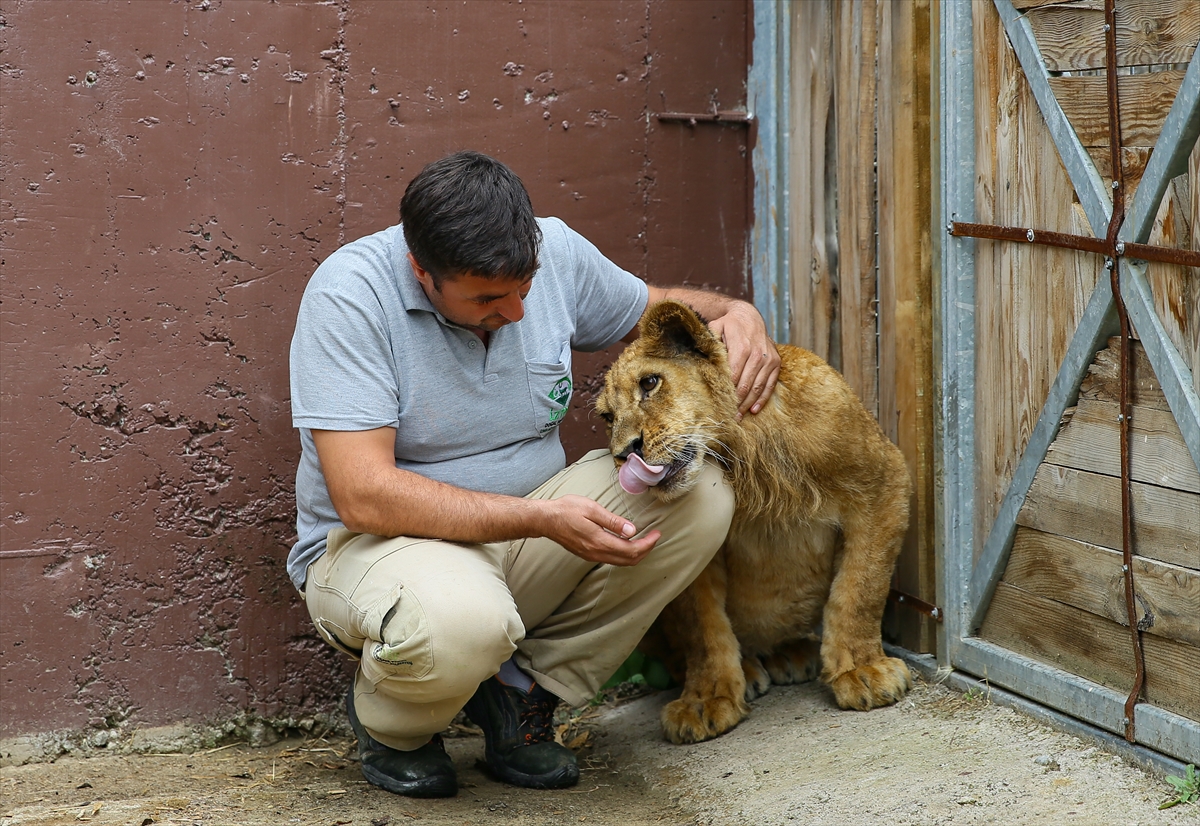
442,541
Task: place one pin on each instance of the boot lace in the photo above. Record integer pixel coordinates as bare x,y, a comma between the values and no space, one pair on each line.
537,718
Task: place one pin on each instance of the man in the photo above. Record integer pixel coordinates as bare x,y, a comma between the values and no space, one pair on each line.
441,540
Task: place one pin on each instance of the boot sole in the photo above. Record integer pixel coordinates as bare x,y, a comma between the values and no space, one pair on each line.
436,786
561,778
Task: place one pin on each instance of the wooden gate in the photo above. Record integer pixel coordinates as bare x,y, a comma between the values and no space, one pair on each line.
1035,568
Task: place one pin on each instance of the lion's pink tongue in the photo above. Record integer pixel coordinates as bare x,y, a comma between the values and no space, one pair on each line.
636,476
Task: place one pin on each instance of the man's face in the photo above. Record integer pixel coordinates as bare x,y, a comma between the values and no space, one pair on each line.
474,302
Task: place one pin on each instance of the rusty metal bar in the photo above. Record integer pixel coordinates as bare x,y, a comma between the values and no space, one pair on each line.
1163,255
731,116
1031,236
1125,417
1114,132
1084,243
916,603
1114,227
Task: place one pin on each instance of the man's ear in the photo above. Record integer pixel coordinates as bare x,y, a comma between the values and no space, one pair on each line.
423,275
671,328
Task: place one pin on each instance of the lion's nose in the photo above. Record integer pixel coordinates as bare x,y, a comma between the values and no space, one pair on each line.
633,447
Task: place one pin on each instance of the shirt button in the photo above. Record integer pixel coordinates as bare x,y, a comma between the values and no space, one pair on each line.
472,344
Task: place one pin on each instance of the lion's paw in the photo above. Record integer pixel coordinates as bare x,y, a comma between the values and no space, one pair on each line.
691,721
758,680
880,683
794,662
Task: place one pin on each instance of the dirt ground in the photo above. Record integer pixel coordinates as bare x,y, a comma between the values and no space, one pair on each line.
941,756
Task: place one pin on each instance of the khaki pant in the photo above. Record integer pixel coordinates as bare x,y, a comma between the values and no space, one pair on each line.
430,620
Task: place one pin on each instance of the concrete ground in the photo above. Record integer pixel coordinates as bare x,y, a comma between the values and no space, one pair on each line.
941,756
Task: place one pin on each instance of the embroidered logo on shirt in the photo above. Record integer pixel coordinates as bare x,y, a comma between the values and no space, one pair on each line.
560,395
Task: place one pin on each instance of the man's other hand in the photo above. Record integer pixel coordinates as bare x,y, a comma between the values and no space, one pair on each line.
591,532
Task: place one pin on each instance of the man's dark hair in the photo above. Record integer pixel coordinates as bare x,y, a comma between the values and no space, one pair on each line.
468,213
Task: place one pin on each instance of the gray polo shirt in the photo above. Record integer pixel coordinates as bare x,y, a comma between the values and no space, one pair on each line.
370,351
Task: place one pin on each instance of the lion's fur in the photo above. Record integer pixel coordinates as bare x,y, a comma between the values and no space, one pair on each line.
821,510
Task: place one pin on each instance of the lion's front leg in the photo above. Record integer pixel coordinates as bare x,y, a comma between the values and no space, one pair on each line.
712,701
853,663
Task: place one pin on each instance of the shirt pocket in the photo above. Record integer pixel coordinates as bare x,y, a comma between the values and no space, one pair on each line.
550,388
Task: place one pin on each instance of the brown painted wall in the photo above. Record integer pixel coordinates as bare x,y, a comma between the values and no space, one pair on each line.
171,174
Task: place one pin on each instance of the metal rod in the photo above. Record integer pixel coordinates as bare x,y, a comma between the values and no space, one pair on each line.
1032,236
692,118
1114,227
1084,243
1163,255
916,603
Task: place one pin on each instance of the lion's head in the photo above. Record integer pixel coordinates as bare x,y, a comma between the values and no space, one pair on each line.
668,398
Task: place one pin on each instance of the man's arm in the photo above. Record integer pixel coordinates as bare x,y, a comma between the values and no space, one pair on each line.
372,495
752,355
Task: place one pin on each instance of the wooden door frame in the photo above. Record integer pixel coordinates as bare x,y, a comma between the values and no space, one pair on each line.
966,585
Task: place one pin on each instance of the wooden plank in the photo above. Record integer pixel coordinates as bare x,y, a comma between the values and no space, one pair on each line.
813,244
906,290
1087,507
1094,648
1090,577
1025,317
1133,164
856,33
1157,453
1188,191
995,68
1176,288
1145,101
1103,381
1149,32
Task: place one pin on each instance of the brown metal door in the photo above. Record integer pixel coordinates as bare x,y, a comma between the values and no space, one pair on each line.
171,180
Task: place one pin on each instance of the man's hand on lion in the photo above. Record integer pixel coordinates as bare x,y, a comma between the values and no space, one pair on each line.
588,530
752,355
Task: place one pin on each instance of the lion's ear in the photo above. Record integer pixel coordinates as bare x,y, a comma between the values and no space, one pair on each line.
671,328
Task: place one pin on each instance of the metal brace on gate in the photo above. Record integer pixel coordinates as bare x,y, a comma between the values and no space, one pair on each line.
1113,250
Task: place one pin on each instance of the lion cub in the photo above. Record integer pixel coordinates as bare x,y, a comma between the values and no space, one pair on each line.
821,510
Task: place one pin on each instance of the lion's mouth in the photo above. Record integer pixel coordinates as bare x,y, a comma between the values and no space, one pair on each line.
636,476
683,460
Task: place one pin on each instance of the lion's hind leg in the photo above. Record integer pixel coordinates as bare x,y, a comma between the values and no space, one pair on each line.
758,679
797,661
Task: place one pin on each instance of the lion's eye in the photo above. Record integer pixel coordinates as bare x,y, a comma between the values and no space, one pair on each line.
648,383
604,414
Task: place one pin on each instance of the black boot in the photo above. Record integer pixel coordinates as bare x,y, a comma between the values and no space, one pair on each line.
519,730
424,772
